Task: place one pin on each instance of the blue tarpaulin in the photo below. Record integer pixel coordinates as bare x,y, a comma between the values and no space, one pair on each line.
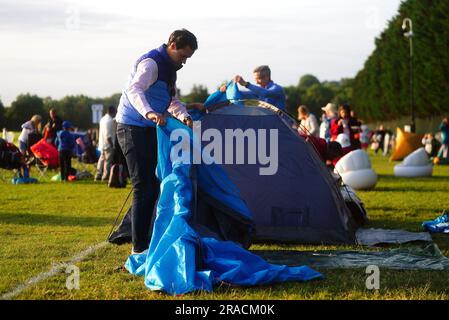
179,260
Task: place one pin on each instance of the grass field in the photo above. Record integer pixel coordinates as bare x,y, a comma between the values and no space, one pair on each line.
48,223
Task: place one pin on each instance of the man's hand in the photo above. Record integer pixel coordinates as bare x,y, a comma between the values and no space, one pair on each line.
188,122
158,118
238,79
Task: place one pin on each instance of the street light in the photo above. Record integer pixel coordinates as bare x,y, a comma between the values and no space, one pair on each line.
408,22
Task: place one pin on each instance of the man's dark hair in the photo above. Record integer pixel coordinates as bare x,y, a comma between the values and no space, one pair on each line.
183,38
263,71
111,110
345,107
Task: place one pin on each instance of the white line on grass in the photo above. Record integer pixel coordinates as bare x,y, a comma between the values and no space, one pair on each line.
53,271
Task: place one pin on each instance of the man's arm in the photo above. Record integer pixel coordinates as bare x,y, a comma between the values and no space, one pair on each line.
179,110
145,76
275,91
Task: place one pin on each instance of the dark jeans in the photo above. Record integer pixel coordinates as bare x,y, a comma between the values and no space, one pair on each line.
139,146
65,163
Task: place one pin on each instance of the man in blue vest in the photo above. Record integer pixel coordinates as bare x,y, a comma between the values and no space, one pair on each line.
149,94
265,89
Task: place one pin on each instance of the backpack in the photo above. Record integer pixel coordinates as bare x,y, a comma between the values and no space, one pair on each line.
117,177
10,156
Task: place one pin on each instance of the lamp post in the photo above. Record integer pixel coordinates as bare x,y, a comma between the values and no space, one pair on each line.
408,24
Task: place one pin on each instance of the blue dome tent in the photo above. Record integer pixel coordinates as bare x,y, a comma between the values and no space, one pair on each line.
207,214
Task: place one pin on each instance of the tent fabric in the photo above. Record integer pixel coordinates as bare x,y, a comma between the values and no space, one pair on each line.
372,237
301,203
232,94
179,259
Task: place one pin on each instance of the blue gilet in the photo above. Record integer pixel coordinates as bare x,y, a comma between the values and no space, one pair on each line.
158,95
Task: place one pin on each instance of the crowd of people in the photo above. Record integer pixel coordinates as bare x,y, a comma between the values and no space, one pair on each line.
58,135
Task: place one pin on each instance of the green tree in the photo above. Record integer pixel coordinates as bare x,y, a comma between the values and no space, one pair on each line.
112,100
22,109
293,99
316,97
308,80
381,89
198,93
343,92
2,115
77,109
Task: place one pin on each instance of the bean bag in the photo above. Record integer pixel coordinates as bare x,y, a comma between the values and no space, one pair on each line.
355,170
406,143
414,165
412,171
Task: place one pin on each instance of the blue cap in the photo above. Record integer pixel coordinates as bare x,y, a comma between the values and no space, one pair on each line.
67,125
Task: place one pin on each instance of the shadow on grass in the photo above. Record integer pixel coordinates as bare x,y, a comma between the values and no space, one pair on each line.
410,188
53,220
421,179
417,211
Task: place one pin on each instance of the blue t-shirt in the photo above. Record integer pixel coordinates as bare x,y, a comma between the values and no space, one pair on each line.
65,140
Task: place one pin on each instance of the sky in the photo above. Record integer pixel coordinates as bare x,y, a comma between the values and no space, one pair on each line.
66,47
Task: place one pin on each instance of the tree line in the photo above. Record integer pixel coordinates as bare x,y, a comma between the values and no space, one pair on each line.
77,109
381,89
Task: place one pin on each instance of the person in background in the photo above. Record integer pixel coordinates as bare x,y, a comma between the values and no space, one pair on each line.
347,125
443,153
264,89
53,125
329,153
106,144
149,94
32,126
330,113
309,123
378,139
364,136
65,143
430,144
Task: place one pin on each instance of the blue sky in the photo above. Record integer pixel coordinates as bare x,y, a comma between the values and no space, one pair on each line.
56,48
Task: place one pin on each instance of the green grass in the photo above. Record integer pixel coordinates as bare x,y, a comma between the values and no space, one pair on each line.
50,222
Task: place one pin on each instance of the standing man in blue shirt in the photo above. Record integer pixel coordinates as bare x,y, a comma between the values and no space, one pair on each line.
265,90
149,94
65,142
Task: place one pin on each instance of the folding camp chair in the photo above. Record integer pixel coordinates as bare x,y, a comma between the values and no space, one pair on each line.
44,156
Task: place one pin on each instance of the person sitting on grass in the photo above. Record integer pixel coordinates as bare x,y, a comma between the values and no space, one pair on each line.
329,153
65,142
